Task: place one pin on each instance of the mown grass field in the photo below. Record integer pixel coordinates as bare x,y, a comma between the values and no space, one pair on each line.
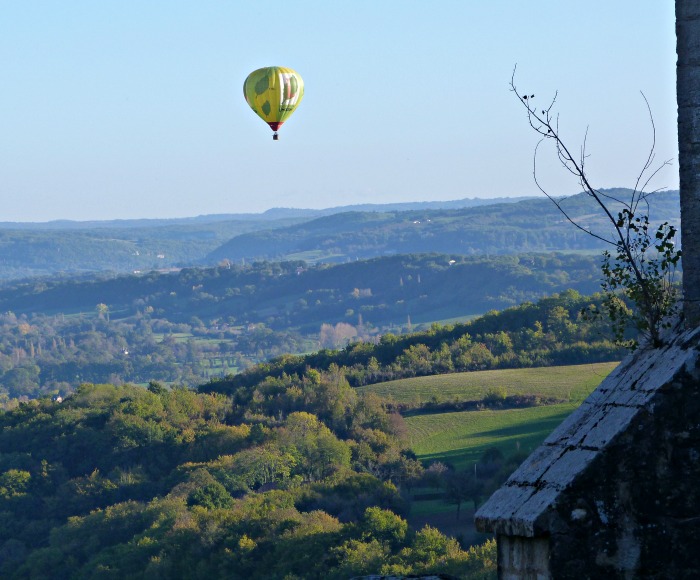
461,438
571,383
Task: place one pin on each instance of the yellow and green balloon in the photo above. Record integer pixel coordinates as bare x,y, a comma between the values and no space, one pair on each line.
274,92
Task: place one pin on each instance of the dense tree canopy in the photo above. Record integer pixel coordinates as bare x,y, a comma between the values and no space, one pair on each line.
133,482
562,329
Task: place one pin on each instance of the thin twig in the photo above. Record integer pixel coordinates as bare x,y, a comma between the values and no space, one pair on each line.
547,126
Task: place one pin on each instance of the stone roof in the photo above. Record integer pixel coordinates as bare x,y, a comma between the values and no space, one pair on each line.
521,507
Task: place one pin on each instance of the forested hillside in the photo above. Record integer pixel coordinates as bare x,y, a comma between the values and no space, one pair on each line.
557,330
74,247
533,225
125,482
383,291
63,246
285,470
195,324
463,227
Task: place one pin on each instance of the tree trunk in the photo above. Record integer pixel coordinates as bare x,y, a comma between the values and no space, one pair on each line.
688,96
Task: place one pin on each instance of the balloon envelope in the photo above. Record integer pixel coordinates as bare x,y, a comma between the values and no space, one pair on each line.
273,92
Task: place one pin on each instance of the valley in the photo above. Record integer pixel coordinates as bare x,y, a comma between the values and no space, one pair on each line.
355,409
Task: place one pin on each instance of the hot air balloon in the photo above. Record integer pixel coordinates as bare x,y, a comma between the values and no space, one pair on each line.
273,92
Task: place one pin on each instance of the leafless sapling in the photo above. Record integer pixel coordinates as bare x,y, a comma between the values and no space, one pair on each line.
642,265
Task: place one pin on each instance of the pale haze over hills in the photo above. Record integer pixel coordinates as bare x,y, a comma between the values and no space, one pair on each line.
463,227
274,213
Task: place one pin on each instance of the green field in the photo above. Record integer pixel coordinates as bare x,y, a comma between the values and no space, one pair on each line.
460,438
570,383
312,256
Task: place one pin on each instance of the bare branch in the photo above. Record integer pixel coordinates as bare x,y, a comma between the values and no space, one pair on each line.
632,268
558,204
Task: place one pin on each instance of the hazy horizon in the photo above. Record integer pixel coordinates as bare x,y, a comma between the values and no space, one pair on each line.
282,208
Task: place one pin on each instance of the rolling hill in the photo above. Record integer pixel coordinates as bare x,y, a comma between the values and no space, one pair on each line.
340,234
532,225
73,247
381,291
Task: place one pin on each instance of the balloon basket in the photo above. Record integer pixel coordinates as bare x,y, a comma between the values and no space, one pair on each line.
275,137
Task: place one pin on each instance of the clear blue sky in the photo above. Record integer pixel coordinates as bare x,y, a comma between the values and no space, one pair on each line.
126,109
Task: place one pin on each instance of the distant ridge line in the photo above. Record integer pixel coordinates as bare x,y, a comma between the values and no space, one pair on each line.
274,213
